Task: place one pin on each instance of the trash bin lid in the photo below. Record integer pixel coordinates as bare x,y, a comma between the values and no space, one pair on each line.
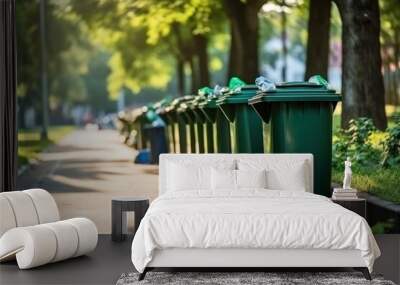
139,115
161,106
195,103
190,110
183,106
238,96
170,110
209,106
186,112
133,116
297,91
212,96
175,104
209,103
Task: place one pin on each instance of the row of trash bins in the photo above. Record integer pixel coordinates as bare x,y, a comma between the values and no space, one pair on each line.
290,117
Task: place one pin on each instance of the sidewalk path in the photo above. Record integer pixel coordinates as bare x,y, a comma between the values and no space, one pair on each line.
85,170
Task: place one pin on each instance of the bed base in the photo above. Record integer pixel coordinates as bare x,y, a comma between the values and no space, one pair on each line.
363,270
247,259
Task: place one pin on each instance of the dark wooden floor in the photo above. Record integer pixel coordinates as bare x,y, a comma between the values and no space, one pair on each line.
110,260
389,263
103,266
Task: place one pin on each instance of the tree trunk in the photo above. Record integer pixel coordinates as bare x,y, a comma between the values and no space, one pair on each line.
284,42
243,18
44,70
318,38
184,55
362,81
194,75
233,61
397,64
201,43
386,81
180,73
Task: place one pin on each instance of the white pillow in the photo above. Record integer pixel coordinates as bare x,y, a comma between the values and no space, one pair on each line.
227,179
223,179
193,174
281,174
251,178
291,179
183,177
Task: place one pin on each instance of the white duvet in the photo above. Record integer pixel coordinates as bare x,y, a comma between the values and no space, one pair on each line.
250,219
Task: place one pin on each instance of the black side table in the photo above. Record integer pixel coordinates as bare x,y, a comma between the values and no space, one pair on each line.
358,206
120,206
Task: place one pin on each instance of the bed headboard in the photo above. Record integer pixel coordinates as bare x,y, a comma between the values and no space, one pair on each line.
208,159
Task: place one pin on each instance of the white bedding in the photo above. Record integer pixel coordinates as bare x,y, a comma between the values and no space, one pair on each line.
250,219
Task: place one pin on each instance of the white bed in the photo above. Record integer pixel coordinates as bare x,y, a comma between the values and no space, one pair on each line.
248,227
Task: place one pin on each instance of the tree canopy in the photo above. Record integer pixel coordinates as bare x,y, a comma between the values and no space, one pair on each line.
98,48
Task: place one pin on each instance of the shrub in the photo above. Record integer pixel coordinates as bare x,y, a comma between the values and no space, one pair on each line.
354,143
375,159
340,149
391,146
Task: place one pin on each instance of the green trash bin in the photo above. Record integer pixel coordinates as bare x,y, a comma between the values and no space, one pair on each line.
217,124
179,123
161,110
208,126
170,129
155,131
186,110
188,117
246,125
200,123
299,115
138,124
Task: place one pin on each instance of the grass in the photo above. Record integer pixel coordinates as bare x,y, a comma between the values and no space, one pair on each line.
30,144
378,181
384,183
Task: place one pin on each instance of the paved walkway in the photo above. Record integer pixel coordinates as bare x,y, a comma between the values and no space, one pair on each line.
85,170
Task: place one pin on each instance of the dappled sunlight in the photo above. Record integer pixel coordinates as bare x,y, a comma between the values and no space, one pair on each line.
85,170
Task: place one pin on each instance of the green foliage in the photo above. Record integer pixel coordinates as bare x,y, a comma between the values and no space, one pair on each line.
355,144
390,27
139,65
134,63
28,51
68,53
391,146
369,150
143,40
30,145
96,83
359,130
160,16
